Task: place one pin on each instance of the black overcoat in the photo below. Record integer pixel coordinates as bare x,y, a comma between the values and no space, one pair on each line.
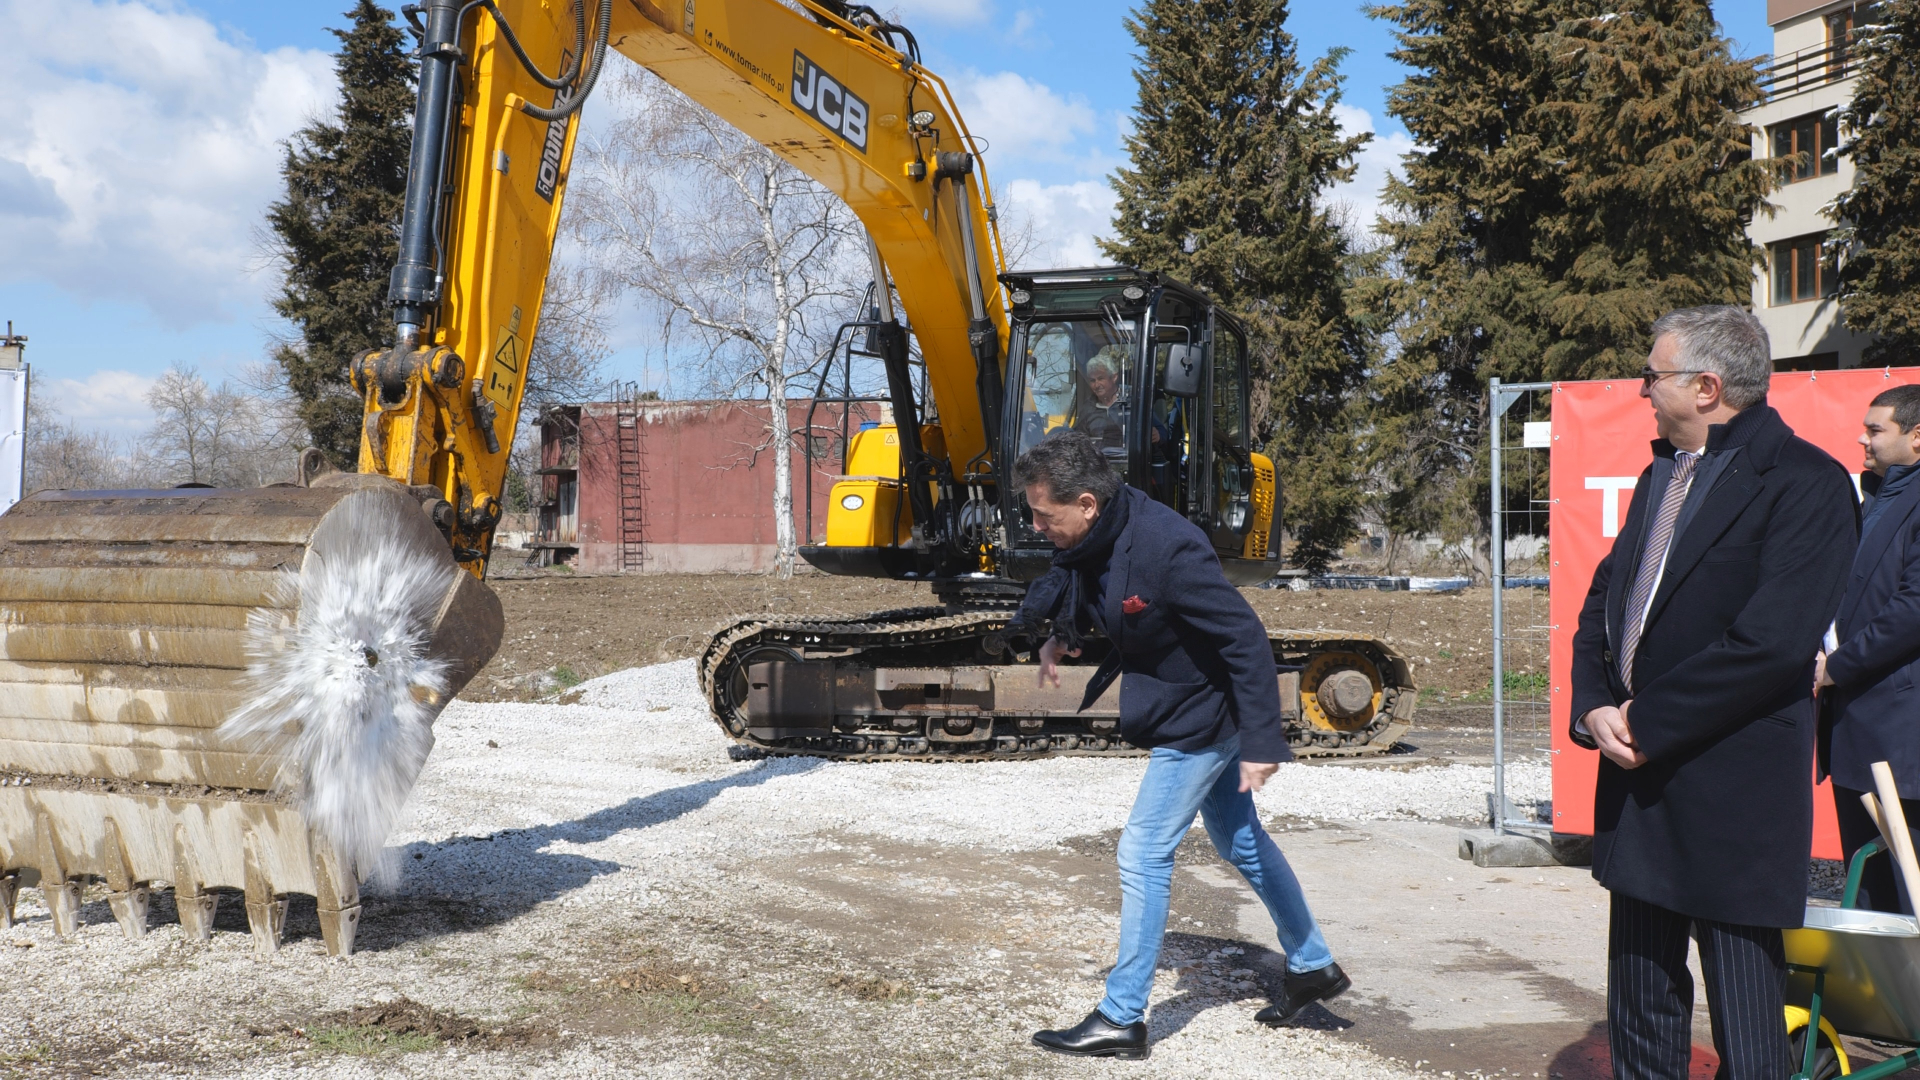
1875,708
1194,661
1718,823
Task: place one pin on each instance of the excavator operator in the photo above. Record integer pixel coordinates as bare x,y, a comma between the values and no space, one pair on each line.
1102,410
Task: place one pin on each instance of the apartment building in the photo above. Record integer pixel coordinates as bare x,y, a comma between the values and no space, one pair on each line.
1810,78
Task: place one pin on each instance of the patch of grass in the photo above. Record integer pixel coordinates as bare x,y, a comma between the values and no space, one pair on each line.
1520,686
37,1054
869,987
565,678
369,1040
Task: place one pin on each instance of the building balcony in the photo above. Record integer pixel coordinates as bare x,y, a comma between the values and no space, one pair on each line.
1809,69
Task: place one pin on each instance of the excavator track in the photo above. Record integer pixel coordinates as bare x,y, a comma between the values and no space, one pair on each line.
920,684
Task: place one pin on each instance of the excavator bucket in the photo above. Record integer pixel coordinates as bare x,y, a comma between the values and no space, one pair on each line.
128,625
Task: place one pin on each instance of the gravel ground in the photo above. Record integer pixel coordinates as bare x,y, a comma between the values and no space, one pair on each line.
596,889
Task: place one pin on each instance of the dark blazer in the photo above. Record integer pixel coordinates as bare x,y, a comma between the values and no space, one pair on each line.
1195,658
1718,822
1875,708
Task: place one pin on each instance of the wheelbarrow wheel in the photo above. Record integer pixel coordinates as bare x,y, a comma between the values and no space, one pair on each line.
1827,1063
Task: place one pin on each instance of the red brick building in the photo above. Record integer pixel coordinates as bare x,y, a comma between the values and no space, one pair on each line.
676,486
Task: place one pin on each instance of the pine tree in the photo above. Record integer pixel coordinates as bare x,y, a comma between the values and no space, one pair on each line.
1582,171
1233,147
1658,186
338,226
1880,280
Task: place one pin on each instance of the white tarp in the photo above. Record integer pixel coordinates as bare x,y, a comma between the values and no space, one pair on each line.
13,434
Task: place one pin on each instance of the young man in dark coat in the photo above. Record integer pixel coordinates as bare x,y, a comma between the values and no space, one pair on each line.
1872,705
1691,675
1199,690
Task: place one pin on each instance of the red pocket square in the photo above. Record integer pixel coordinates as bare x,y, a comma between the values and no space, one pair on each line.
1133,605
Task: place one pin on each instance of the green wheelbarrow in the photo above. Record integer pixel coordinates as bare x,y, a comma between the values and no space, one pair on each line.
1853,972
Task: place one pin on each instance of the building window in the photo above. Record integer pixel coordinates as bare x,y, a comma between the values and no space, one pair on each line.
1815,138
1840,28
1802,269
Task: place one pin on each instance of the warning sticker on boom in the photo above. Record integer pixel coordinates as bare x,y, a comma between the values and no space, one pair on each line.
503,371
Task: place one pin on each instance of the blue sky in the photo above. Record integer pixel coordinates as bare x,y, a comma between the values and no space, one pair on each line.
133,181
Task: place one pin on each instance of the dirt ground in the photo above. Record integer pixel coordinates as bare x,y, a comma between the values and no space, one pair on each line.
563,628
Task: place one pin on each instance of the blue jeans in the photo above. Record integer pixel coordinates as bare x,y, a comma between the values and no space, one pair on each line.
1178,785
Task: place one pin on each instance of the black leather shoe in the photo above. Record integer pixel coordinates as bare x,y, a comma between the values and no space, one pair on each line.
1299,991
1096,1036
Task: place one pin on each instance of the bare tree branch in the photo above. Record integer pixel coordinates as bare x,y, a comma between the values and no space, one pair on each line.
721,236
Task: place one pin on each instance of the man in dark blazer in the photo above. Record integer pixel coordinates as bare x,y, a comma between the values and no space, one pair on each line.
1692,668
1199,690
1872,706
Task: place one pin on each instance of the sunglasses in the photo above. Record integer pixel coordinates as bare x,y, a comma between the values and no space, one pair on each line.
1648,376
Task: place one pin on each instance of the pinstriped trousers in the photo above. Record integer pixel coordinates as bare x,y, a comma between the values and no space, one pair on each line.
1650,994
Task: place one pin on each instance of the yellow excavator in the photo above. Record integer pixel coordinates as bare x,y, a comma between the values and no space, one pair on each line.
141,627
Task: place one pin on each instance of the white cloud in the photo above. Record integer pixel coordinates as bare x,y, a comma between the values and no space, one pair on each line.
138,151
1379,158
1020,118
104,400
1066,218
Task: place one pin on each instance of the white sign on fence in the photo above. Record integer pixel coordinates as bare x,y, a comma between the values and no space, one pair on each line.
1536,435
13,434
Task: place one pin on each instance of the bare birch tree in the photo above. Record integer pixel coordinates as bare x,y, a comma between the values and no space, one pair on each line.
728,242
221,435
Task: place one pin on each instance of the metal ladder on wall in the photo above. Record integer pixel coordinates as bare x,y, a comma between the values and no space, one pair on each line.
628,434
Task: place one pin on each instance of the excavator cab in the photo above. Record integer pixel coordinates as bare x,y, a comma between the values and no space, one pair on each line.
1157,375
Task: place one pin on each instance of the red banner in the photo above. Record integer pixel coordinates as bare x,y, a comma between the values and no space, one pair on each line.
1601,437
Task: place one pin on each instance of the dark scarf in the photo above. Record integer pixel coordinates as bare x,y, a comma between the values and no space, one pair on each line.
1061,591
1889,489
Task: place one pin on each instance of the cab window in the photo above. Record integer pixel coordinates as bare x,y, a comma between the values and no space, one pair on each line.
1078,374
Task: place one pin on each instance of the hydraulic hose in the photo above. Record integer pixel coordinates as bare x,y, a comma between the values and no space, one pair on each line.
571,105
566,76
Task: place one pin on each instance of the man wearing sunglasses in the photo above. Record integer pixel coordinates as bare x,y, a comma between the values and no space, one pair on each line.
1692,672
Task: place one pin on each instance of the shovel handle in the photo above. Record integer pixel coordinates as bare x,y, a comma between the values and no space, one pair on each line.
1893,825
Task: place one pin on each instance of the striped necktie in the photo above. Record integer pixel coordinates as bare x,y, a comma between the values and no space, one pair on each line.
1659,538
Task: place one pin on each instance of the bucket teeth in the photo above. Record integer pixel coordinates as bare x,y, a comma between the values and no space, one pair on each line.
196,914
337,891
130,911
268,921
190,897
9,892
266,909
128,895
127,628
63,903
